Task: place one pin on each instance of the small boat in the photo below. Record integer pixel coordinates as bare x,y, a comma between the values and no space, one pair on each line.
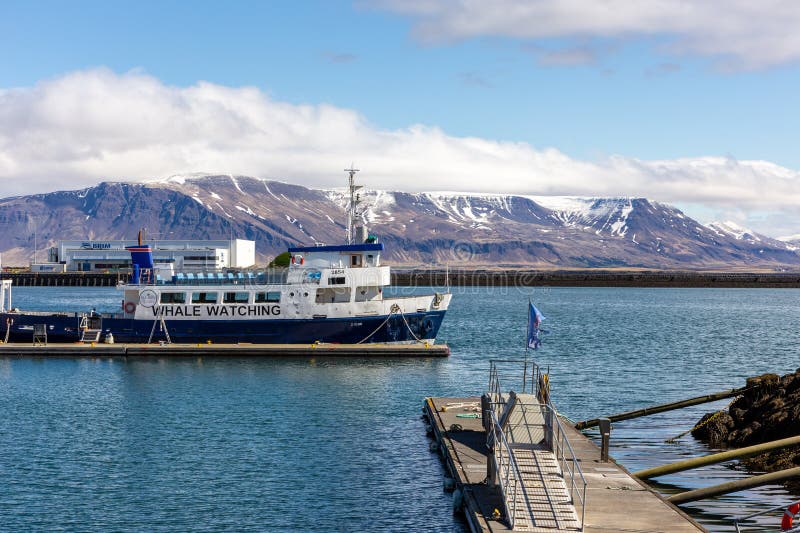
329,294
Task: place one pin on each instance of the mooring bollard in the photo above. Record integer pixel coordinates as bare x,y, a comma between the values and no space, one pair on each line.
605,437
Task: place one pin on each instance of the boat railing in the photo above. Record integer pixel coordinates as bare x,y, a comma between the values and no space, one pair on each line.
259,278
741,527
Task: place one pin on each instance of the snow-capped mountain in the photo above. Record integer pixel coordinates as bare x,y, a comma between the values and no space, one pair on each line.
418,228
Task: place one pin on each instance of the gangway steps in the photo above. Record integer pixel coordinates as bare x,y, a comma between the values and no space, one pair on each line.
91,335
544,504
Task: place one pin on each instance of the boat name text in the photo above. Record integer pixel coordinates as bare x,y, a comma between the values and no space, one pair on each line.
216,310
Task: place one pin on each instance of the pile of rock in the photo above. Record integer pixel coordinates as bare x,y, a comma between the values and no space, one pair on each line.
768,410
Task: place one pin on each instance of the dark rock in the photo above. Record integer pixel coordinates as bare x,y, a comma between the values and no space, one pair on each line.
769,410
714,428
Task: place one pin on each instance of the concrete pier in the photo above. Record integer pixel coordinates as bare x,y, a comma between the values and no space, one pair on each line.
224,350
523,277
615,501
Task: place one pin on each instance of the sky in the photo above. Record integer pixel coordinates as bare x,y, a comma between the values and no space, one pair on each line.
687,102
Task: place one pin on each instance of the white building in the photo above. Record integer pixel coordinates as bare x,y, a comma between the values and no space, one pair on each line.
183,256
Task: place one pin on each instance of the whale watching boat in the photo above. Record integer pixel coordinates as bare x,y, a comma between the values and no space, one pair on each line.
332,294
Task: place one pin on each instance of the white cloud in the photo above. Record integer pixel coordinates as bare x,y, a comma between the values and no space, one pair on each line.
72,131
739,34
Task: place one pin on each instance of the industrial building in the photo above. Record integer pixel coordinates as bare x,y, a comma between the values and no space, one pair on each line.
182,255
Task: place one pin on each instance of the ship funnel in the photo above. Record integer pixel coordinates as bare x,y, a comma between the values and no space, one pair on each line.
141,259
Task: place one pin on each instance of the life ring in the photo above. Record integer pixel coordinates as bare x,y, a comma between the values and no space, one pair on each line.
788,516
298,260
130,307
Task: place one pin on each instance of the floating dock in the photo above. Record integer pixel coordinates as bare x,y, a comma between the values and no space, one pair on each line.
615,500
515,465
224,350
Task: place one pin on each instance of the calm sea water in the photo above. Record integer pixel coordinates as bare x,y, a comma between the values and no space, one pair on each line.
338,444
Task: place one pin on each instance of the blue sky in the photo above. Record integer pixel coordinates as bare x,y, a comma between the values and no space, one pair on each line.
591,90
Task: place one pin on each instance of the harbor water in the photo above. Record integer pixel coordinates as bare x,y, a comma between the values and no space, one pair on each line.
337,444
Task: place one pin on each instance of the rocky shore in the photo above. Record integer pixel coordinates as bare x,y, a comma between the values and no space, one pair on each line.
767,411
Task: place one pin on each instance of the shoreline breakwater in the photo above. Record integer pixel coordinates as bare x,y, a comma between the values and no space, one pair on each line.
485,278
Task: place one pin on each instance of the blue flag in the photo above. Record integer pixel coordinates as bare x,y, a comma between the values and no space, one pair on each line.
534,321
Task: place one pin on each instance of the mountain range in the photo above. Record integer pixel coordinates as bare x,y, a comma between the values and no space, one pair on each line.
434,228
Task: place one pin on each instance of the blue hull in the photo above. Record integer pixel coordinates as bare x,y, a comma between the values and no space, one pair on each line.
373,329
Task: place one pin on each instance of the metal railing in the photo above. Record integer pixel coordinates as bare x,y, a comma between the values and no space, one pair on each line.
508,475
738,522
546,418
508,369
565,456
271,276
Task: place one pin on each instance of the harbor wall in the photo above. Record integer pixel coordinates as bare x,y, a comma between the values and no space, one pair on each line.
64,279
592,278
484,278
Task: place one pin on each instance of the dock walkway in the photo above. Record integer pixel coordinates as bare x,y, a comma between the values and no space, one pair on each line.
615,501
543,503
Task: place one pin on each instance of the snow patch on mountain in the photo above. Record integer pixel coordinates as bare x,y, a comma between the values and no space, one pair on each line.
245,209
270,191
235,183
376,206
732,229
475,210
605,215
180,179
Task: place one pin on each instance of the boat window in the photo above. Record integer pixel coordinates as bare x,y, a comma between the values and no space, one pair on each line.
333,295
268,297
355,260
339,280
364,294
204,297
173,297
236,297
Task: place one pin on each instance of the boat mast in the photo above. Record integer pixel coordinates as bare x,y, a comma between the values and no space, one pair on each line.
352,207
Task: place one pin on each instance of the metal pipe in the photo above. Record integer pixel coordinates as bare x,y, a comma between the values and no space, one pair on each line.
664,407
695,462
735,486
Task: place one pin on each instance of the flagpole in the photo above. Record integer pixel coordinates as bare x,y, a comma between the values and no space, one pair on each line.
527,336
528,330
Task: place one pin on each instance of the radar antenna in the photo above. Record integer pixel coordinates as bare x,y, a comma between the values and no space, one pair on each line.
352,206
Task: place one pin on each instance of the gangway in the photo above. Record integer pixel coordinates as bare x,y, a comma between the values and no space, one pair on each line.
531,459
